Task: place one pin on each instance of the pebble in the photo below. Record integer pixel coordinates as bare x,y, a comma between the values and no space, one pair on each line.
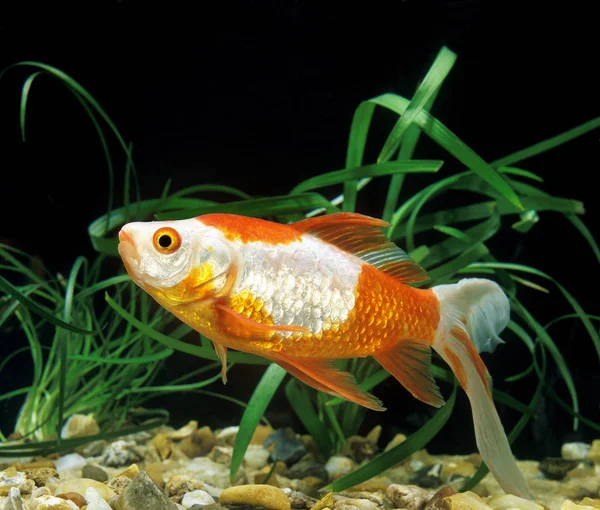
307,467
81,485
569,505
464,501
210,472
41,491
71,461
197,497
178,485
351,503
410,497
284,446
437,500
95,501
199,443
260,434
556,468
142,493
509,501
226,436
575,451
594,453
258,495
163,445
428,477
183,432
14,501
52,503
120,453
338,466
40,476
256,457
94,472
118,483
80,425
75,497
10,478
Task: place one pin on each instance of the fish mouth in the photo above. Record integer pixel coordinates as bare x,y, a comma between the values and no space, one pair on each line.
128,252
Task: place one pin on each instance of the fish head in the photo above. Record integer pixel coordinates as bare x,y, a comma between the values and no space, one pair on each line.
177,262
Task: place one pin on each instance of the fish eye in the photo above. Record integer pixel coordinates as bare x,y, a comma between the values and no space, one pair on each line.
166,240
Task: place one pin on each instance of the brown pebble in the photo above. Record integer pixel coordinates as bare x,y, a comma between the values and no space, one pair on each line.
260,434
75,497
163,445
436,501
40,475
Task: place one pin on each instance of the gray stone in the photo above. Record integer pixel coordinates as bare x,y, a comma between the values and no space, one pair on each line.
287,448
308,467
14,501
556,468
121,453
428,477
142,492
94,472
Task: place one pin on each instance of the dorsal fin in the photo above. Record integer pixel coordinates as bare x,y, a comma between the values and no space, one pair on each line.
364,237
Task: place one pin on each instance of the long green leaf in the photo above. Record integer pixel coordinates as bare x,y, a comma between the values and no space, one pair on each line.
301,404
263,393
449,141
390,168
43,312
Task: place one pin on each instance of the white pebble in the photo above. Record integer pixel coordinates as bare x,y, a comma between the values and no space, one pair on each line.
70,461
338,466
197,497
575,451
94,500
256,457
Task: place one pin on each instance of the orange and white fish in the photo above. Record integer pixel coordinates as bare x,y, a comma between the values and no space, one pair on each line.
331,287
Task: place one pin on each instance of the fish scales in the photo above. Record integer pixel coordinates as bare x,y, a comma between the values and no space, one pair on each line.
350,308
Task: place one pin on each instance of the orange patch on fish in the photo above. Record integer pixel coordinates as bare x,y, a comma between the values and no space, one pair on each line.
248,230
253,308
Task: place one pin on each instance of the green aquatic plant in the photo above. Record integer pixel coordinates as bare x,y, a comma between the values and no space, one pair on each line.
140,337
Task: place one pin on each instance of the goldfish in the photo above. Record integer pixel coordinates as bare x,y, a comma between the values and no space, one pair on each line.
307,293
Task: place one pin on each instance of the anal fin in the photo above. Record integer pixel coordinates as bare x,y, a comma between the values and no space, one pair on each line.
239,326
410,362
324,376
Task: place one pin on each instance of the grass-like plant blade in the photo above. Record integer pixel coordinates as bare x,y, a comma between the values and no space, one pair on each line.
263,393
31,305
415,442
24,97
585,232
300,402
449,141
549,143
123,361
357,140
423,99
430,84
267,206
390,168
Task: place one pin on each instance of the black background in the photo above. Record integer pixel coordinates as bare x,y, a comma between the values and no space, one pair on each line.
260,95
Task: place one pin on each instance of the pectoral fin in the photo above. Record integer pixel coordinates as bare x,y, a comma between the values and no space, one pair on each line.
324,376
222,354
410,363
239,326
